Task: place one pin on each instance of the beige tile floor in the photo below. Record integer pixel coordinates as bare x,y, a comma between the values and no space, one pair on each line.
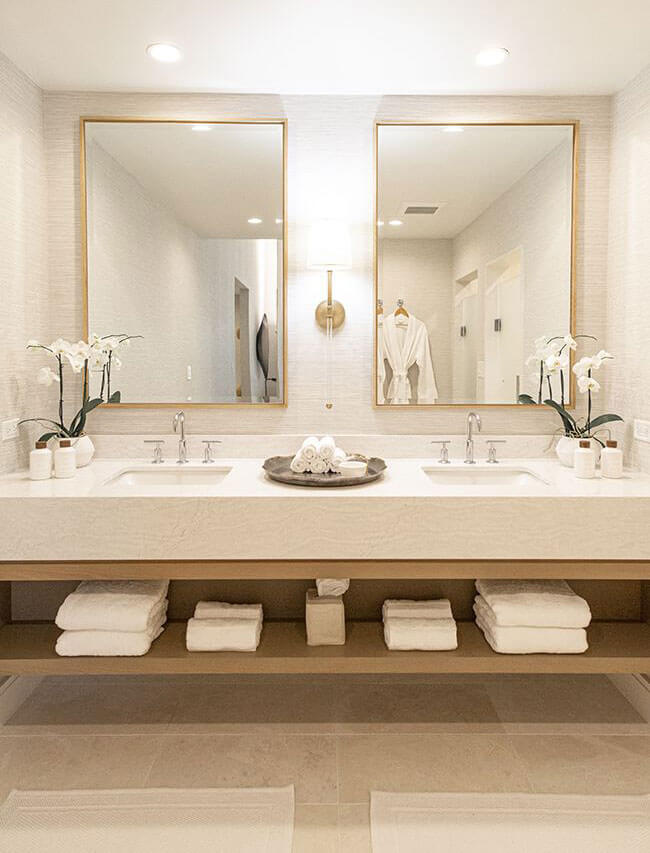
334,738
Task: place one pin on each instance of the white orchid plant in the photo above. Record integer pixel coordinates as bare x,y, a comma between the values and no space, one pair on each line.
98,355
553,357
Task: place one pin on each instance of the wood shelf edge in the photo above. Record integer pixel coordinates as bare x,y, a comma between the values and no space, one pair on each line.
308,569
615,647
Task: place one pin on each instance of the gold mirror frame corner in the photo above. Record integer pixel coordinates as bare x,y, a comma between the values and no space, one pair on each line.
575,124
284,123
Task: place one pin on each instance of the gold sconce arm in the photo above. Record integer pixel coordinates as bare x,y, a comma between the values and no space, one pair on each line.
330,311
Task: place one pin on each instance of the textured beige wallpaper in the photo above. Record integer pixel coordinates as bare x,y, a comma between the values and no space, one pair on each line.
628,307
329,174
24,295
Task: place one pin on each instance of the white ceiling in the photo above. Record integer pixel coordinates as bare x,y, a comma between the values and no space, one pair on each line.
463,172
329,46
213,181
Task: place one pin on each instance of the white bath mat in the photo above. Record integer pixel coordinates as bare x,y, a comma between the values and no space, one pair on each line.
165,820
508,823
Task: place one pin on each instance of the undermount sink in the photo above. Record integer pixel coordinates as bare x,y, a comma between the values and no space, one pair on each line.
495,475
168,478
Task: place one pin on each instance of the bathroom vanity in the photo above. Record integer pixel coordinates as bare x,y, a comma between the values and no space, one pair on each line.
444,524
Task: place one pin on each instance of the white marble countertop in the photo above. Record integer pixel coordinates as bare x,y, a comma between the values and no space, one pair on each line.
404,515
402,478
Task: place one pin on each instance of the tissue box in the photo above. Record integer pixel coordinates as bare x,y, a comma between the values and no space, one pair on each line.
325,618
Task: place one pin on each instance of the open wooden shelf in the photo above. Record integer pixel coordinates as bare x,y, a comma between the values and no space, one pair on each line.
615,647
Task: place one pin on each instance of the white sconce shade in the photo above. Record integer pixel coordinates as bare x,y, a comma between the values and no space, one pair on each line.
329,246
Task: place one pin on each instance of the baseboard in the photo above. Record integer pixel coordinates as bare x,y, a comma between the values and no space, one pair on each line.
13,693
636,690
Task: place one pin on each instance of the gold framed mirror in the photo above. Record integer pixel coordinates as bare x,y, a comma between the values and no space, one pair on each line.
474,259
184,259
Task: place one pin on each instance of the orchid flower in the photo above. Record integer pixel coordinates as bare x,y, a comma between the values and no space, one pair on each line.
46,376
588,383
582,367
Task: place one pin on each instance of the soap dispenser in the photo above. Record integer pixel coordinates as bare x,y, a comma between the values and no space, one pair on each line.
584,461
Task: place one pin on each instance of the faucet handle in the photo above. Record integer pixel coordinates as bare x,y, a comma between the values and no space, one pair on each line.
444,451
492,451
207,453
157,451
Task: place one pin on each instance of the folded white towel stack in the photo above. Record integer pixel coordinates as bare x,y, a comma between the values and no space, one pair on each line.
318,456
112,618
419,625
532,617
541,603
221,627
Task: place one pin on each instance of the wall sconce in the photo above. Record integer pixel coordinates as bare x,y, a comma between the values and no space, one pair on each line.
329,249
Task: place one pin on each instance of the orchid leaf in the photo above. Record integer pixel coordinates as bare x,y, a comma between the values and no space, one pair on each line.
79,420
604,419
567,419
115,397
527,400
47,436
59,427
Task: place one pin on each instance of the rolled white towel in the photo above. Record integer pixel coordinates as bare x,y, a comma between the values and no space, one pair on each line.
535,603
404,609
223,635
332,586
309,449
112,605
514,640
319,466
224,610
434,635
326,448
299,464
339,456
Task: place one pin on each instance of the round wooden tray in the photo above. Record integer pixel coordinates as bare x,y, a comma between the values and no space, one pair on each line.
278,468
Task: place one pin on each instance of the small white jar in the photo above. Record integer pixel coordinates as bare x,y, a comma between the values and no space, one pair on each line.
40,462
65,460
584,461
611,460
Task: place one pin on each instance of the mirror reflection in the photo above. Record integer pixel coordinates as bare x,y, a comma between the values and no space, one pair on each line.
474,258
184,244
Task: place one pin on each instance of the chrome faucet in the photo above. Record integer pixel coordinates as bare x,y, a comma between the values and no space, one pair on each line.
472,420
179,420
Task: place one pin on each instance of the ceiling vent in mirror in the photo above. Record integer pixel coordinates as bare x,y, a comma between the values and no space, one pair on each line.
420,208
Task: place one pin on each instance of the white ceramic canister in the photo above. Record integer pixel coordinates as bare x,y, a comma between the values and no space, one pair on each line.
40,462
611,460
65,460
584,461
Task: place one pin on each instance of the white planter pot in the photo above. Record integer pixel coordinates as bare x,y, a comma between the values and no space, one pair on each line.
85,450
566,447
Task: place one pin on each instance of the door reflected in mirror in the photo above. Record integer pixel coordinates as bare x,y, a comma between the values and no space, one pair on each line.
184,248
474,258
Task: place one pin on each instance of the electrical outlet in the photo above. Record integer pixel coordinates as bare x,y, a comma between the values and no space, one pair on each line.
642,430
10,429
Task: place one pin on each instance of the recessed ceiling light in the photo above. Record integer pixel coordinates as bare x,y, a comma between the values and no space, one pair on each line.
380,222
453,128
492,56
395,222
254,220
278,222
164,52
201,128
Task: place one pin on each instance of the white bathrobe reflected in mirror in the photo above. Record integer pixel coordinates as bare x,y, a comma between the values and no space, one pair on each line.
402,343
